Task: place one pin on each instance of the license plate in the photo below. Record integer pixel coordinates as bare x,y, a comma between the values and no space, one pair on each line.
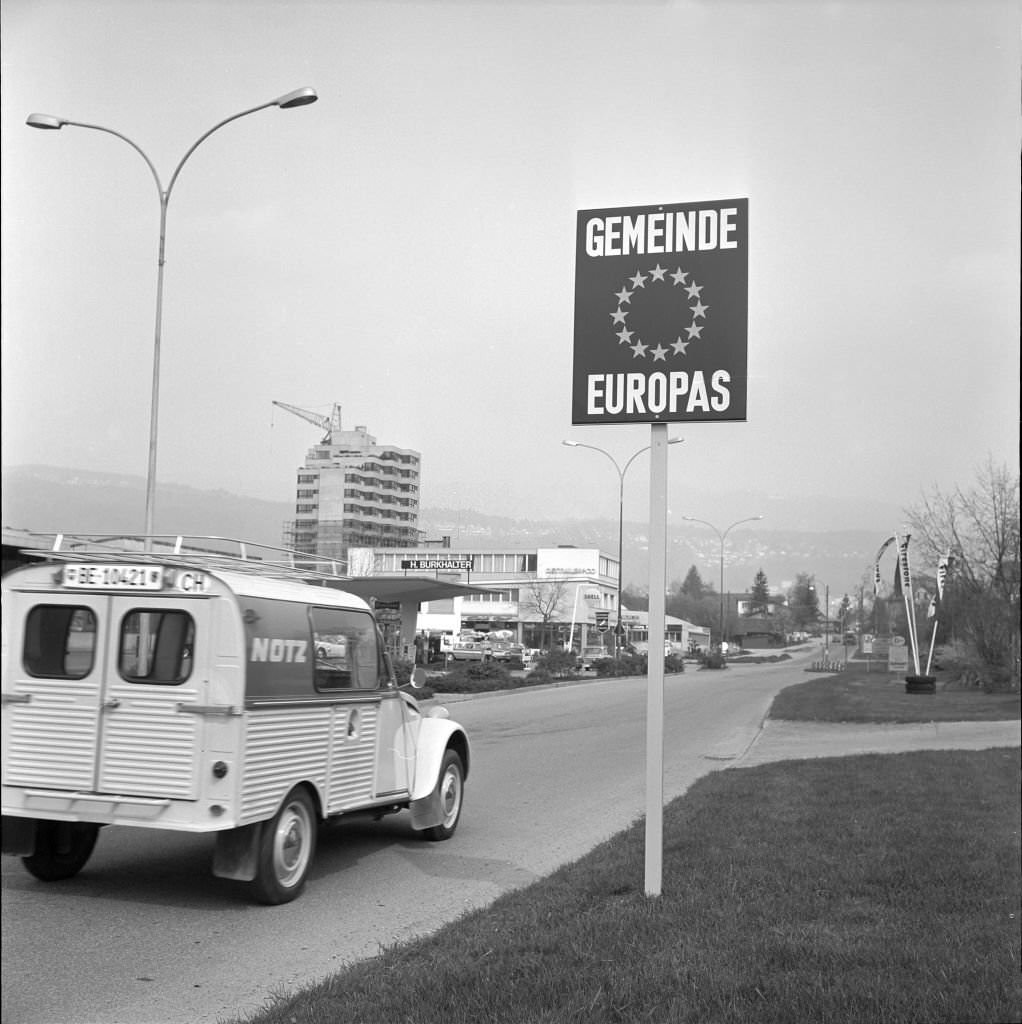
113,577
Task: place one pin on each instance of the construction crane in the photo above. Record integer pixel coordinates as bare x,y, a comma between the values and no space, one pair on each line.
328,423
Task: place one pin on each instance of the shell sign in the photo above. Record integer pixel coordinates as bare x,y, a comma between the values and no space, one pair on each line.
661,313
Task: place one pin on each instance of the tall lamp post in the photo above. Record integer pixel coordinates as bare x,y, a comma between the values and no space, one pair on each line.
621,470
297,98
826,615
722,536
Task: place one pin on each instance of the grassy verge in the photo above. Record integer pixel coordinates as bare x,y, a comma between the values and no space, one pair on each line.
856,695
873,888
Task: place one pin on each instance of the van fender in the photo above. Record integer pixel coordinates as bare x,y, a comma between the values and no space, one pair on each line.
436,736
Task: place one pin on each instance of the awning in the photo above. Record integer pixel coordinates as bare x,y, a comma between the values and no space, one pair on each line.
406,589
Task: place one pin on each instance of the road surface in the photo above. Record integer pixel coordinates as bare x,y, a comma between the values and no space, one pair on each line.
146,935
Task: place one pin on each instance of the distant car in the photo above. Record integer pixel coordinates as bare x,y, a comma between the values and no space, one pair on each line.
329,648
593,654
504,650
470,652
850,640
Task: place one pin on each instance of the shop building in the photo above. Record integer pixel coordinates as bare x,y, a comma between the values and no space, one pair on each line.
543,597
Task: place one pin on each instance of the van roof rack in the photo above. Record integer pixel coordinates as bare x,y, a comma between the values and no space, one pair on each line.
211,552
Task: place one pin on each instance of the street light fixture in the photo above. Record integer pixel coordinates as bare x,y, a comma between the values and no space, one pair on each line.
296,98
619,630
722,536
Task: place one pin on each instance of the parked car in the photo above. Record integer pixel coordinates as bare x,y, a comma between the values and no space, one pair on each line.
329,647
589,655
469,651
510,653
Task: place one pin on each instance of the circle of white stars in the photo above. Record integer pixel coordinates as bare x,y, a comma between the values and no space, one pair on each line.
692,331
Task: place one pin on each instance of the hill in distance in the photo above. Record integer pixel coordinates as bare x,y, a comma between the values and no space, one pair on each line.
45,499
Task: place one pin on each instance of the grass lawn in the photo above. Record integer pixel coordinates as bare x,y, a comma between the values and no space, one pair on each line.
856,695
839,890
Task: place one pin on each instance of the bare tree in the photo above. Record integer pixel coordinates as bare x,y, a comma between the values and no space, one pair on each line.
546,599
979,529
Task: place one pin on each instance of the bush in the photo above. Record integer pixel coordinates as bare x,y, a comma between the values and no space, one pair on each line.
674,663
713,659
539,676
964,669
635,665
557,663
625,665
403,671
476,677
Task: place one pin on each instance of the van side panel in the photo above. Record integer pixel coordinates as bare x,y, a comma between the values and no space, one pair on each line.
282,745
333,747
353,764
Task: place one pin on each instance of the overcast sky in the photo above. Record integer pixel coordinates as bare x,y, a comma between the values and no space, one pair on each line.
405,246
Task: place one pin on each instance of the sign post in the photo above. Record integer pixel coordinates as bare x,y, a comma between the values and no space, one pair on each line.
661,324
654,866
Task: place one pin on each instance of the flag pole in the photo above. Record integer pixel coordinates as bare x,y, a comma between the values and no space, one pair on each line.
906,593
933,639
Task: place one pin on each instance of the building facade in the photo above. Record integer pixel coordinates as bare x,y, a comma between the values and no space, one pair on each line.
543,597
352,492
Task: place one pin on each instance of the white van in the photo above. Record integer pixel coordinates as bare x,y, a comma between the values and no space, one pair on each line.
170,690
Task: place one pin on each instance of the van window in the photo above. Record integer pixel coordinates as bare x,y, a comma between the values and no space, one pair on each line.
345,649
156,646
60,642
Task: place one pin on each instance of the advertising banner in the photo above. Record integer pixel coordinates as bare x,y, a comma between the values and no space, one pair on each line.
661,313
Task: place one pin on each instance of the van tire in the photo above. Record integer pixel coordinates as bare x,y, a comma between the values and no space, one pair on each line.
451,791
286,849
62,849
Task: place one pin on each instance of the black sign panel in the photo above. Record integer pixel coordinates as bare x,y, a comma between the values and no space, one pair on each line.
436,564
661,313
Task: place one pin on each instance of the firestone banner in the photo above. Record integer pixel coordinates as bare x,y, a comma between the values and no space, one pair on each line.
661,313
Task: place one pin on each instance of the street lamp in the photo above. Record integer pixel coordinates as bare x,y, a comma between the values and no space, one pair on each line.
618,631
296,98
826,615
722,536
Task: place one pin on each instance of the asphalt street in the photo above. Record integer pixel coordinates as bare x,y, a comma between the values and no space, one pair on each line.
146,934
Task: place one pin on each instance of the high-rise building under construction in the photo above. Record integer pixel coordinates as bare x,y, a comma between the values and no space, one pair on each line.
352,492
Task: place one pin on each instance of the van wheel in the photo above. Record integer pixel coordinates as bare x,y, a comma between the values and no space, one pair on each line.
451,789
62,849
286,847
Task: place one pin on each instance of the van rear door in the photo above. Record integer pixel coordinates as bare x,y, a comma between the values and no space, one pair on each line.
153,699
103,693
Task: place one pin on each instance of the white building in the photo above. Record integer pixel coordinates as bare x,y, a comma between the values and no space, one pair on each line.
543,596
352,492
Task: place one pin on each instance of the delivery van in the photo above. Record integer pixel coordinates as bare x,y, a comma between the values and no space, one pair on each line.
171,689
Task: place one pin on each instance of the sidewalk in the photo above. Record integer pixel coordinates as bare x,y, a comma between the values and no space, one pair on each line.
780,740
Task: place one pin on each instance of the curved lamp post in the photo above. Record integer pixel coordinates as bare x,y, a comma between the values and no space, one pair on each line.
296,98
621,470
722,536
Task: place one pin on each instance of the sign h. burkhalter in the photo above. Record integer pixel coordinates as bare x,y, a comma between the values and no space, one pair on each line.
661,313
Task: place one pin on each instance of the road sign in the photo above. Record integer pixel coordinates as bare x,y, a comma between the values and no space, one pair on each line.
603,621
897,658
661,313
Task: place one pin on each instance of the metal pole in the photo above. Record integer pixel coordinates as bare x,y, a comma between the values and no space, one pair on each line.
722,536
297,98
620,557
655,661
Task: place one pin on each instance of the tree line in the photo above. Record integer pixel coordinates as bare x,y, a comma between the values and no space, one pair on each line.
974,622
